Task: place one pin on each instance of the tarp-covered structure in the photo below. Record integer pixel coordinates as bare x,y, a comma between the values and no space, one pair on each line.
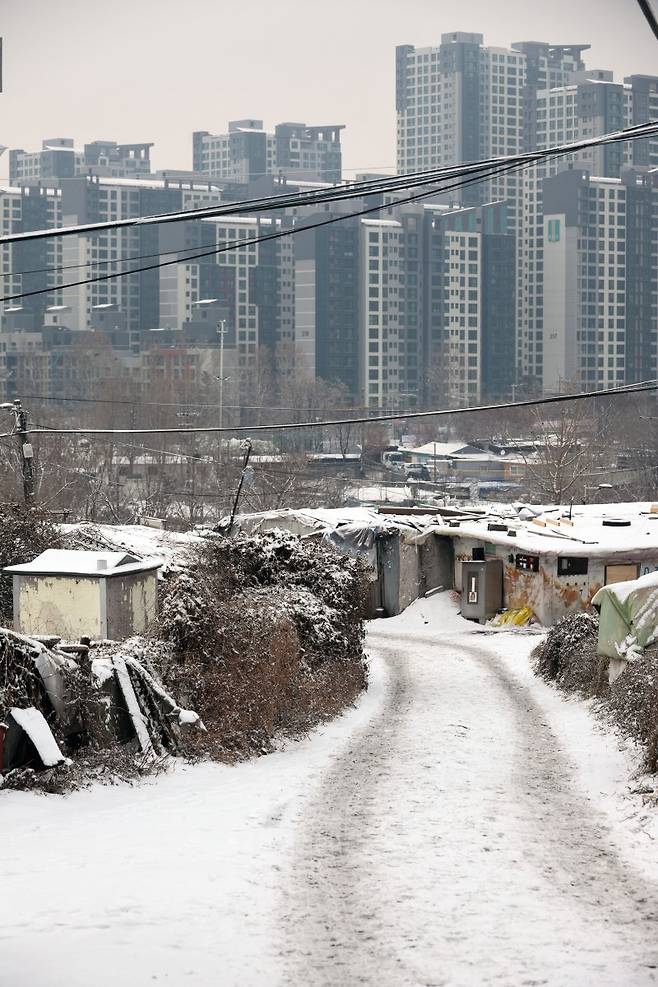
628,619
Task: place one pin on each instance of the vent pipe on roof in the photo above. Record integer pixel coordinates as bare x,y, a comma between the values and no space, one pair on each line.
101,563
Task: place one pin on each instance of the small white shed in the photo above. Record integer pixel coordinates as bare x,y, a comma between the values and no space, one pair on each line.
101,595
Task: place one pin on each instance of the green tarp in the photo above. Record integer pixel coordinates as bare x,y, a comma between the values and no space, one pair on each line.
629,617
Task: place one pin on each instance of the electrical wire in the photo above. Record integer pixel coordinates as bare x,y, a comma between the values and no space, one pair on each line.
336,193
240,244
280,201
192,406
288,231
291,231
406,416
645,7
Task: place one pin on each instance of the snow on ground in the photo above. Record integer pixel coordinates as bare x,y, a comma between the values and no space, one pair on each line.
463,825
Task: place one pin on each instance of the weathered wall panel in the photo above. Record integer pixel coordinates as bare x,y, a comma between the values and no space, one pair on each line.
65,605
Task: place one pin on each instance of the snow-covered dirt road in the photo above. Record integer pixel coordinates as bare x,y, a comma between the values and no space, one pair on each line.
464,825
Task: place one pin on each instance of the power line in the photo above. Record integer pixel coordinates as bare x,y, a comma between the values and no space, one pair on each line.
406,416
192,405
279,201
334,192
516,164
241,244
234,209
645,7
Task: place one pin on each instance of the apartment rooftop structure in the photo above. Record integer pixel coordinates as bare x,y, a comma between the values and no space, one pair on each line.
59,158
248,151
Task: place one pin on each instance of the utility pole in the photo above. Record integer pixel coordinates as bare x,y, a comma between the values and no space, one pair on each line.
246,448
25,450
221,329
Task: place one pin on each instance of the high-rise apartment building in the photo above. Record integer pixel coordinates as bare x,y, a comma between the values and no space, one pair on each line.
461,102
135,295
468,323
30,265
600,284
379,311
258,285
591,104
248,152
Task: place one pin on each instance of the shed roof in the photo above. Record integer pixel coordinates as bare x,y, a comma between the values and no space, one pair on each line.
74,562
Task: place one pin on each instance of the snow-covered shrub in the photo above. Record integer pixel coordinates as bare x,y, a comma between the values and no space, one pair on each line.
568,656
267,634
633,703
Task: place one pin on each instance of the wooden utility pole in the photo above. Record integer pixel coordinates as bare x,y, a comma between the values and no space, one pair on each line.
24,449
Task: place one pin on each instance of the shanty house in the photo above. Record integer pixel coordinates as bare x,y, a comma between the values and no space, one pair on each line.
555,563
101,595
405,556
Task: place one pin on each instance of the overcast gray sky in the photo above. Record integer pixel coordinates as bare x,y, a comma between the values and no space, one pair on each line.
156,70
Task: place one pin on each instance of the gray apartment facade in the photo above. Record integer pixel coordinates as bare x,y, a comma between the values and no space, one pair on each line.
600,263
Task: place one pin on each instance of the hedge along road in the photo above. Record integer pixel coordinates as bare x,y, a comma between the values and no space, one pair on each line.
453,842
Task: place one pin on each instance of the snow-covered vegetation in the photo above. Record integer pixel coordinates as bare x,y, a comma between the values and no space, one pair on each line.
568,657
257,637
266,635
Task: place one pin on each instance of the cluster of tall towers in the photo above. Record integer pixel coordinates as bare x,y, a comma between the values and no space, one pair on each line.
520,282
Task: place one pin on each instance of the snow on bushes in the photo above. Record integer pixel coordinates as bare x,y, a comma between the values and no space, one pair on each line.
267,634
568,657
633,703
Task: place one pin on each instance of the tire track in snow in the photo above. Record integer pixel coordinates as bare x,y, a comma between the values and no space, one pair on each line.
450,845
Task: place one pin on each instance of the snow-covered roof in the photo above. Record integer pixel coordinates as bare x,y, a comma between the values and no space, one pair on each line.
76,562
551,532
438,449
628,528
327,520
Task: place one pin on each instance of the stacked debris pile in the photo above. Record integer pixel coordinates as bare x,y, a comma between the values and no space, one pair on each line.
568,657
26,532
65,719
267,638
